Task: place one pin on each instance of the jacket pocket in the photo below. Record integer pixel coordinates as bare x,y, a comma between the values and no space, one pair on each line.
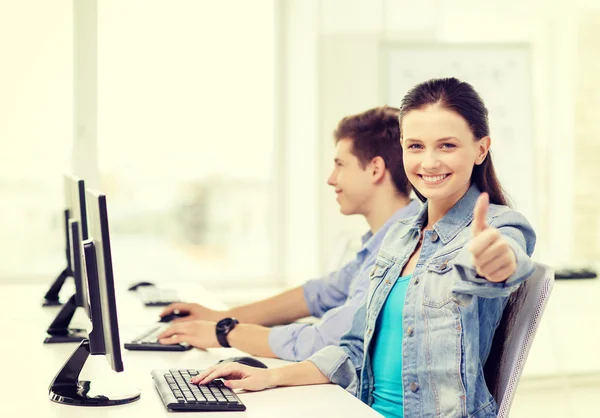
382,266
439,279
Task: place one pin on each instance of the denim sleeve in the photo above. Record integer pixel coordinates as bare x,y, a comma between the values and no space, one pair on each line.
299,341
342,364
330,291
521,237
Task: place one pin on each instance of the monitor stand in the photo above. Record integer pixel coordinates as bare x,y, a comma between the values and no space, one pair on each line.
51,296
59,331
66,388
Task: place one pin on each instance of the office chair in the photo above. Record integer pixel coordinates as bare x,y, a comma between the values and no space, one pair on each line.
514,336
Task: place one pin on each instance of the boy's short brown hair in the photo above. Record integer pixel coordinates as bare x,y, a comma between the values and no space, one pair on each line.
376,132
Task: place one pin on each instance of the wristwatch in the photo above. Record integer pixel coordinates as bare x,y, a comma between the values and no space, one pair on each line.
224,327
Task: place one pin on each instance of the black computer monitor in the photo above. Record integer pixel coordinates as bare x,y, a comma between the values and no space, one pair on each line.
74,195
104,337
77,231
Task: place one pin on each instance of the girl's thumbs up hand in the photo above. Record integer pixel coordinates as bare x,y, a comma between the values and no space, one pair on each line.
492,256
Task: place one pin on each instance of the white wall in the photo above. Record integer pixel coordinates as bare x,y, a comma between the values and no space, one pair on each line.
351,35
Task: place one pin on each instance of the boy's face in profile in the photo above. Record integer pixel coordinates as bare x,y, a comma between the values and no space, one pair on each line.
353,184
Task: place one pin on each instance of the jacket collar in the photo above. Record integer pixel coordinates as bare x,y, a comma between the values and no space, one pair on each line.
455,220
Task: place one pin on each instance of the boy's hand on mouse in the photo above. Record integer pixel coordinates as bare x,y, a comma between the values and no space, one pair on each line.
492,256
195,311
201,334
237,376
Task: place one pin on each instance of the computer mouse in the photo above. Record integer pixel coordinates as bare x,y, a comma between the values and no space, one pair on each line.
248,361
140,284
173,315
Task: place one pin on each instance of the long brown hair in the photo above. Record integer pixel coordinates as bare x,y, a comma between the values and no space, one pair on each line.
459,97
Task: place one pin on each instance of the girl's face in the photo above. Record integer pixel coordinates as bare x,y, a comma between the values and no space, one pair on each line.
440,152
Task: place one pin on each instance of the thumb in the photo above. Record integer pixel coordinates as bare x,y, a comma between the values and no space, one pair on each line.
479,213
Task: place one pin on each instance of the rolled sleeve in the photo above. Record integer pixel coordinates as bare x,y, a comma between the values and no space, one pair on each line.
334,363
520,236
342,364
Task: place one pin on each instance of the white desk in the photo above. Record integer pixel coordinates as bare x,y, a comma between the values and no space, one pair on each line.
28,366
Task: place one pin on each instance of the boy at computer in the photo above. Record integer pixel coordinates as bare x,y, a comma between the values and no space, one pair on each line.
369,179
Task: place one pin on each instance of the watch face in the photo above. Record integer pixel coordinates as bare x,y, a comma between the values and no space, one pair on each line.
225,324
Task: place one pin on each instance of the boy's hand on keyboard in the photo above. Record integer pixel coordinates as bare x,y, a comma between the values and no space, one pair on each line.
195,311
237,376
201,334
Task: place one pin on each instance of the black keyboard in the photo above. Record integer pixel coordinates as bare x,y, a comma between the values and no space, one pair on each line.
179,394
148,341
155,296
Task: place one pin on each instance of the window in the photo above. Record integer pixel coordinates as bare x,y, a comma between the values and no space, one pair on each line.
35,136
186,137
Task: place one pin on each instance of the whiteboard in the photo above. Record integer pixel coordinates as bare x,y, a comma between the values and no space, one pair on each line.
502,77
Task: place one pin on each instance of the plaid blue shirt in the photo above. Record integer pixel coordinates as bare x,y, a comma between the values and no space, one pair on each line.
334,298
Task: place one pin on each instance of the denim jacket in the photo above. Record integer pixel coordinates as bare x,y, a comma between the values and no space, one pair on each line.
449,316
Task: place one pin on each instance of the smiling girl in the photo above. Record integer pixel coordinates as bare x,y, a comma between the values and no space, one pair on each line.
418,344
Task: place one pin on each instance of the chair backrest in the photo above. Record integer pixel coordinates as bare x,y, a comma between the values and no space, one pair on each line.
514,336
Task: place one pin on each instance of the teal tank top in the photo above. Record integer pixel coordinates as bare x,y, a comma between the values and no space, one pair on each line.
387,354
